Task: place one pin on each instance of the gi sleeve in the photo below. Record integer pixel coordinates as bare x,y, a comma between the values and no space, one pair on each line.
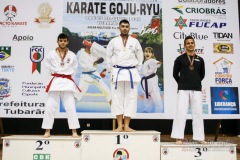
139,55
74,65
110,51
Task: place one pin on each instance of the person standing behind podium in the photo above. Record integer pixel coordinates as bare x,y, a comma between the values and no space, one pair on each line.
61,65
189,71
124,57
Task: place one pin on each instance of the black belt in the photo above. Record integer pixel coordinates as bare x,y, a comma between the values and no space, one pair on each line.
146,84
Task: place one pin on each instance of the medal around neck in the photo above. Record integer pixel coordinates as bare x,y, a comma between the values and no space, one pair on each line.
191,67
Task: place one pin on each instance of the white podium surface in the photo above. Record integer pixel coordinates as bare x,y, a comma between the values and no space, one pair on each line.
190,151
27,147
110,145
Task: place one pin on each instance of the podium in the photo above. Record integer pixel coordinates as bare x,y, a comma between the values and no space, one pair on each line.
193,151
109,145
38,148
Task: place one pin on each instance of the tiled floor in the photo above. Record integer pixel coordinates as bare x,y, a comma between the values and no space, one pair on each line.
166,138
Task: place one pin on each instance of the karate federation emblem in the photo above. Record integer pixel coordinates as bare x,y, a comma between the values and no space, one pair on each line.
77,144
232,151
180,22
36,56
165,151
7,143
86,138
155,139
5,88
120,154
44,10
10,12
5,52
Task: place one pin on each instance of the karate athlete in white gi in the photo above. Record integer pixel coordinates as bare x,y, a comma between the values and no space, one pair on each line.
61,65
124,58
189,71
149,82
89,75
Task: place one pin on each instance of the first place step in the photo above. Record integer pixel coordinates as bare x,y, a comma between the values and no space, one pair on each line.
109,145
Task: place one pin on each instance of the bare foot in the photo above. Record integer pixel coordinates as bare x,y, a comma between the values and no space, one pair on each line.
75,135
128,129
201,142
47,133
179,142
119,129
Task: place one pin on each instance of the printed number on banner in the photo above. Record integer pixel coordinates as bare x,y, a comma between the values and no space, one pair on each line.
41,144
121,138
199,151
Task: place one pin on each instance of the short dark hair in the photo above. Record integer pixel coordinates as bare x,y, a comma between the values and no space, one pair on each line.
188,37
62,36
123,21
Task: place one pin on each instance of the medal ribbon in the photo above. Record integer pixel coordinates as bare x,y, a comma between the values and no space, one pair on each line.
191,62
64,55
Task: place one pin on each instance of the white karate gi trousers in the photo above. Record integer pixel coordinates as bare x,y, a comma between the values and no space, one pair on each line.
52,105
124,99
194,98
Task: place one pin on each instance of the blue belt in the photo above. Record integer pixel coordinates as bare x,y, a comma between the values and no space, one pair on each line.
90,73
146,83
130,74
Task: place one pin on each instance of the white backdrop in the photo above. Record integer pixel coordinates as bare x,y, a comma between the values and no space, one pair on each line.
28,27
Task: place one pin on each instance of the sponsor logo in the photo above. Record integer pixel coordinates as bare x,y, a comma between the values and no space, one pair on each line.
221,2
121,153
41,156
223,48
206,23
195,10
22,38
223,71
183,35
36,56
198,23
221,36
182,50
44,10
32,88
10,12
178,9
5,52
224,100
7,68
219,13
5,88
180,22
